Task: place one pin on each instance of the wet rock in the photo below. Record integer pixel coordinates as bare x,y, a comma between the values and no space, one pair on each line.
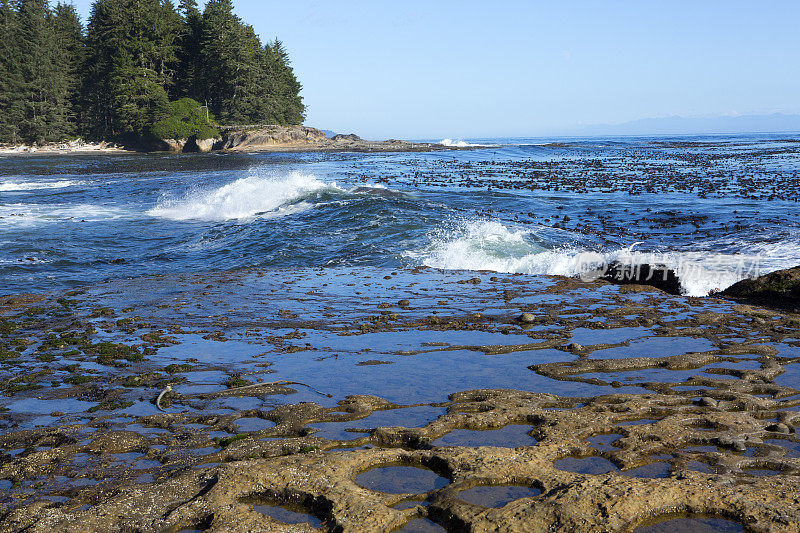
779,428
705,401
658,276
574,347
116,442
779,289
526,318
731,442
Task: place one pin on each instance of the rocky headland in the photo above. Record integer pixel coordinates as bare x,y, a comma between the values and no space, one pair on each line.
238,139
304,138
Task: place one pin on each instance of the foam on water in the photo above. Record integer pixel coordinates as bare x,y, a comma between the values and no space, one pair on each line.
13,186
490,245
20,214
458,143
244,198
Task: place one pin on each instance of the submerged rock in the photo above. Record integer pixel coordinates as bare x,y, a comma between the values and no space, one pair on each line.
778,289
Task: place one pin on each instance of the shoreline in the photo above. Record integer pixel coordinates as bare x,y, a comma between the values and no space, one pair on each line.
267,139
482,379
77,148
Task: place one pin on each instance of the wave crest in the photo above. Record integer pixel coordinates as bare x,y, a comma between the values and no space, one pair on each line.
458,143
244,198
489,245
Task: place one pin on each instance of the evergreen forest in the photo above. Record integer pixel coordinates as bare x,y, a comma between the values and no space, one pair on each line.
138,70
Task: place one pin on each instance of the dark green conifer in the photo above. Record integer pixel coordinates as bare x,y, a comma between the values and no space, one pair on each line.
117,81
11,97
68,43
131,57
190,65
44,116
284,86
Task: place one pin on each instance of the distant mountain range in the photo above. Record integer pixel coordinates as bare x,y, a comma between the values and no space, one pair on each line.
676,125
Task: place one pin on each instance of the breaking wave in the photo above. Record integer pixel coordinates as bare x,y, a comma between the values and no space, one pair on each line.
490,245
248,197
458,143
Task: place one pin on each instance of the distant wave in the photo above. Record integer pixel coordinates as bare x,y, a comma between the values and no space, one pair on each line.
244,198
10,186
458,143
490,245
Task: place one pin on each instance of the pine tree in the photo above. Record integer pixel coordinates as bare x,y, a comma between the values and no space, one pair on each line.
42,118
131,50
117,81
102,39
284,86
244,82
69,59
250,82
190,66
11,83
223,64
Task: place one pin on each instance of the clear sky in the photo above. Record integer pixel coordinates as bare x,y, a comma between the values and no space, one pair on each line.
469,68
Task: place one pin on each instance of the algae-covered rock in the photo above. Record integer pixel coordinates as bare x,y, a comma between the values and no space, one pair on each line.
778,289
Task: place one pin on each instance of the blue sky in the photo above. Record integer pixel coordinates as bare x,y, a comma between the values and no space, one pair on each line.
465,68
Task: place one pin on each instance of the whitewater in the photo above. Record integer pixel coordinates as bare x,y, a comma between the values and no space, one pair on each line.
715,210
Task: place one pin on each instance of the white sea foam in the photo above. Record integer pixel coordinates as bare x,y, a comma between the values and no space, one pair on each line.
11,186
31,214
244,198
489,245
458,143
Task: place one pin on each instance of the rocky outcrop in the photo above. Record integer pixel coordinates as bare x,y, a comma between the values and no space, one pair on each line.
303,138
350,137
190,145
172,145
778,289
260,137
196,145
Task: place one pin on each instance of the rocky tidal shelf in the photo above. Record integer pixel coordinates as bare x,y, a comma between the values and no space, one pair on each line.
372,399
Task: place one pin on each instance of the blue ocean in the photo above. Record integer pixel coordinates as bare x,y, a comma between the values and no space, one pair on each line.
716,209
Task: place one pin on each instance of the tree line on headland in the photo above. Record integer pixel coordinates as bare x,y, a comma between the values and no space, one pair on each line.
140,70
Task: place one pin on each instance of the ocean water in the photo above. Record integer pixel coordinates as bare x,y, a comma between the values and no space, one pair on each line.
715,208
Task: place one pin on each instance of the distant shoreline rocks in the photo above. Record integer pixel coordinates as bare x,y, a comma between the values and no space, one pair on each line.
251,138
75,146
